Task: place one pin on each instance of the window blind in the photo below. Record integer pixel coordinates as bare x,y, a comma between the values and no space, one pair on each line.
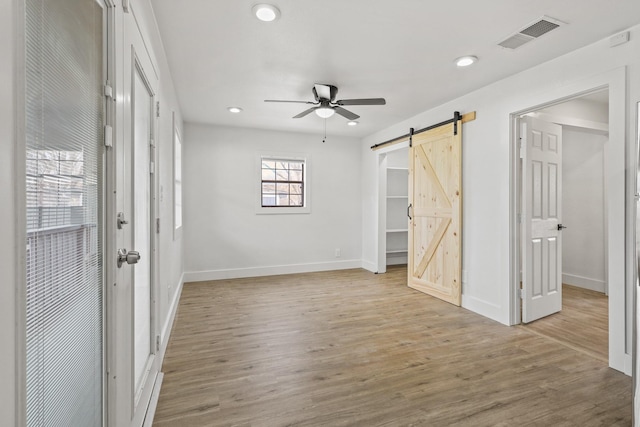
64,286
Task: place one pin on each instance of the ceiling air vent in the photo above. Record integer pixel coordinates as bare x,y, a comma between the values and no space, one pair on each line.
532,31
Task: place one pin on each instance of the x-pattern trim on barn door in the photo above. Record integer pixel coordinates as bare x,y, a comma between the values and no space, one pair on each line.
435,191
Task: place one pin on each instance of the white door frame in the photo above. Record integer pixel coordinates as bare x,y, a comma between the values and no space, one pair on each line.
121,393
619,203
381,191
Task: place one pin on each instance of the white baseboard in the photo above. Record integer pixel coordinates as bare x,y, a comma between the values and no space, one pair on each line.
153,404
584,282
369,266
397,260
483,308
168,324
164,341
238,273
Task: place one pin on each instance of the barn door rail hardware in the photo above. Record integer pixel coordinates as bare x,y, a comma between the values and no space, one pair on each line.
456,117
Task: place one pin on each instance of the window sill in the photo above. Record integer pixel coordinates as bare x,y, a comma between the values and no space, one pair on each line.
283,211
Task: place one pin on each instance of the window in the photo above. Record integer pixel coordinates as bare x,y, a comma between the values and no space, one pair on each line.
55,188
282,183
177,179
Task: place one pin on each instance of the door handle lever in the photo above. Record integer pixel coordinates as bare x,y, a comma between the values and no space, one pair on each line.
560,227
409,211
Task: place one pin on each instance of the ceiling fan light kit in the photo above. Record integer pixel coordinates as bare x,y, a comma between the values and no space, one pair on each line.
266,12
325,104
324,112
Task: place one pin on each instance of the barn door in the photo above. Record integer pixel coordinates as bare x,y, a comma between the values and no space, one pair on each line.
435,195
541,220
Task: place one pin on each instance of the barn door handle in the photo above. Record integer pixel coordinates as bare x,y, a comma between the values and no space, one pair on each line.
409,211
560,227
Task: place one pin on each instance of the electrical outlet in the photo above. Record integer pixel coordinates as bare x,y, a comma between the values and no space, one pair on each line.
338,254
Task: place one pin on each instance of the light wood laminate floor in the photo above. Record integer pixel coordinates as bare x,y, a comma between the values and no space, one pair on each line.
351,348
583,323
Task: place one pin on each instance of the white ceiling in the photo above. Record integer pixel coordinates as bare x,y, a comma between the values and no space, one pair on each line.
220,55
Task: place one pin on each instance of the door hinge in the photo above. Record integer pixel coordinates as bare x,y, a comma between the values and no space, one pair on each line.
152,167
157,342
157,225
521,293
108,90
522,148
157,108
108,136
152,142
125,5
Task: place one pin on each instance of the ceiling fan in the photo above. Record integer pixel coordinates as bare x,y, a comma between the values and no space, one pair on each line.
325,104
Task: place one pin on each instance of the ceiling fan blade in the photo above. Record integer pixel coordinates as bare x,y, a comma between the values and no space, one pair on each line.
346,113
323,91
295,102
305,112
366,101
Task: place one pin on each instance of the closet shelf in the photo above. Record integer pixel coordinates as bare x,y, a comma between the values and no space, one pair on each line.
397,230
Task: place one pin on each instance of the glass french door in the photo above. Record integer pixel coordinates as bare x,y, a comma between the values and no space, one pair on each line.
64,120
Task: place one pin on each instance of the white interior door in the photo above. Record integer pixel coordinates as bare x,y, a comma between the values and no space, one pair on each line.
541,152
142,106
138,282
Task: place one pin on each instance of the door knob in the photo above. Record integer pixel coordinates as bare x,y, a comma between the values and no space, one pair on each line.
131,257
560,227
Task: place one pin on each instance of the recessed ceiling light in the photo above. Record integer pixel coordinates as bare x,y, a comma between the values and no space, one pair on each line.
325,112
266,12
465,61
234,109
352,123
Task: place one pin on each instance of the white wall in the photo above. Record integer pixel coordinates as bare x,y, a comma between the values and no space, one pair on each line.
225,237
487,170
581,109
171,244
583,242
8,248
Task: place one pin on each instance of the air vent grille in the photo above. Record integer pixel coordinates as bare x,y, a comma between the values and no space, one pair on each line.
539,28
531,32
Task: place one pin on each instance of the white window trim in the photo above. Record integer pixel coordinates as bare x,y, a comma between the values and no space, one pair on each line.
257,196
177,145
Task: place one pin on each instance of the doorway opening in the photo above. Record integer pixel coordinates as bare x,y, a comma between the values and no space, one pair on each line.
393,200
562,235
